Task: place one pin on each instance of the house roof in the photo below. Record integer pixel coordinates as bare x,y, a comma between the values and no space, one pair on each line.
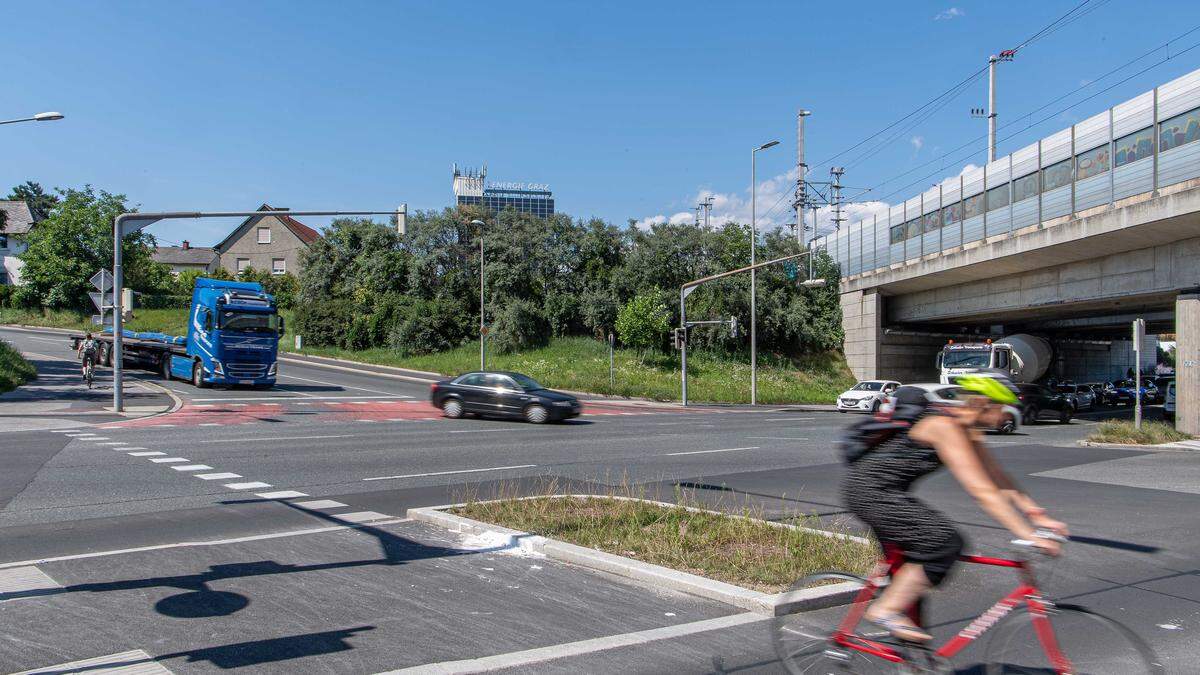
304,233
18,218
177,255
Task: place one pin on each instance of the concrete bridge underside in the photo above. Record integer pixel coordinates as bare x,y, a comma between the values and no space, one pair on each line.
1081,278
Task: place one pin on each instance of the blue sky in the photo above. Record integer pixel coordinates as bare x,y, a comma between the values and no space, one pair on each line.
627,110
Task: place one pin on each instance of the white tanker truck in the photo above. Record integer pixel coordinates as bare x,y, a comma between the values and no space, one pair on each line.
1020,358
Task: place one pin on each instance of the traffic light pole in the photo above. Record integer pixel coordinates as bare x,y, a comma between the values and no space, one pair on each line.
686,290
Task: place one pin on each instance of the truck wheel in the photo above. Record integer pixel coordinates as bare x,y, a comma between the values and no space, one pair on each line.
198,376
106,355
165,368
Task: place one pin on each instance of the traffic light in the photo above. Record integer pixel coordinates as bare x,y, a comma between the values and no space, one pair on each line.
680,338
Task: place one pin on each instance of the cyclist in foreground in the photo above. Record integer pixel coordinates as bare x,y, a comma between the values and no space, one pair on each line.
87,352
877,489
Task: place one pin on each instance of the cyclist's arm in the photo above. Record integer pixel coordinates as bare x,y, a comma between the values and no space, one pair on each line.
1022,501
956,451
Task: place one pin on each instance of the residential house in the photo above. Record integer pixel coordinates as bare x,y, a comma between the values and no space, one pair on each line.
271,243
187,257
18,220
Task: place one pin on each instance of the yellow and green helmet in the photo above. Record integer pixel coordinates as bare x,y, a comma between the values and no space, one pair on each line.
989,387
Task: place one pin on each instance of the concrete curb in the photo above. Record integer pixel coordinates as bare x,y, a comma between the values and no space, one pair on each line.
771,604
331,361
1184,445
176,402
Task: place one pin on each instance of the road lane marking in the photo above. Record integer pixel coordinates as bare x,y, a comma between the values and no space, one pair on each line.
448,473
786,419
778,438
318,504
218,476
151,453
125,663
529,657
243,439
168,460
210,424
705,452
480,431
113,443
282,494
359,516
334,384
132,447
255,485
192,467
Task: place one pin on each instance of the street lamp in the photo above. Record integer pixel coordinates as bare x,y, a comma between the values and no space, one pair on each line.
753,271
40,117
482,326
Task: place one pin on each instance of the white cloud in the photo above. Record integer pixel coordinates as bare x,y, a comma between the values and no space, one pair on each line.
918,142
948,14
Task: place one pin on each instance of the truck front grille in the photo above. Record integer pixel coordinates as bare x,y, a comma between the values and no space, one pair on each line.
246,370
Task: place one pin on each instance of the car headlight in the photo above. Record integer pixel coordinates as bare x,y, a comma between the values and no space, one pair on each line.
272,370
562,404
217,367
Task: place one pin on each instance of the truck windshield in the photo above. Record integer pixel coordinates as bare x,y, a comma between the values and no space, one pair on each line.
965,359
250,322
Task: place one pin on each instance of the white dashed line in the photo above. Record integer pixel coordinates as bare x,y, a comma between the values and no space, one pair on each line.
192,467
317,504
132,447
247,486
447,473
168,460
150,453
113,443
359,516
210,424
704,452
282,494
218,476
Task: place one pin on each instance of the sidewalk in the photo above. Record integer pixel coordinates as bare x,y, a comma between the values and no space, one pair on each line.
58,398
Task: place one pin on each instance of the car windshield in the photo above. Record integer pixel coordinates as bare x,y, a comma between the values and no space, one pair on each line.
525,382
250,322
965,359
868,386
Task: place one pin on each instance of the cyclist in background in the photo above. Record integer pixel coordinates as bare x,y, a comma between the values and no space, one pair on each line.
877,489
87,351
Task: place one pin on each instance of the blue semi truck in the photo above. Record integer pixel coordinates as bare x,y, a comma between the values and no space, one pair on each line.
232,338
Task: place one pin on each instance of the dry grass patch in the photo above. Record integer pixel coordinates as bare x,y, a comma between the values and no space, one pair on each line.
1151,433
741,549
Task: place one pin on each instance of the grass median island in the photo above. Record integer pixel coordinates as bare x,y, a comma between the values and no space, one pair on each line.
746,551
14,369
1151,433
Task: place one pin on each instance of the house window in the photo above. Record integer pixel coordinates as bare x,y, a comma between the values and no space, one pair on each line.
278,266
3,241
3,277
264,235
242,264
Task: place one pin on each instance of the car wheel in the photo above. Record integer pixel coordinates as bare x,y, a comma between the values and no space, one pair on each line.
1007,425
198,376
1031,415
536,414
1064,417
452,408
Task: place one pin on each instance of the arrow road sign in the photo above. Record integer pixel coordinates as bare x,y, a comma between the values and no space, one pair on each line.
102,280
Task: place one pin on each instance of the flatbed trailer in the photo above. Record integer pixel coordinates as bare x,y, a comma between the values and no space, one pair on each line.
150,354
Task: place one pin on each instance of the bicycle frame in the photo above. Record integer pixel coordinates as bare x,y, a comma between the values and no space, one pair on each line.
1026,592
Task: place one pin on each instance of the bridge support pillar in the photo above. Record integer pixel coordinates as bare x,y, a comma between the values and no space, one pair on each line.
1187,363
862,322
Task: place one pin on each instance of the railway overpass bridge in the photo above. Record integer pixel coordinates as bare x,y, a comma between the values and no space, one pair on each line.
1071,238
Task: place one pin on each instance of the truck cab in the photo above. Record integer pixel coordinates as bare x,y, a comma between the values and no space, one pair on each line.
975,357
233,335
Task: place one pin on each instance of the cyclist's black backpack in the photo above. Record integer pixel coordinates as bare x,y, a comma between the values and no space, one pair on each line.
866,435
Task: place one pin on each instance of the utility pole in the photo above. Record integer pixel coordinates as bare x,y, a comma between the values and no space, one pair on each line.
836,202
1006,55
707,205
801,174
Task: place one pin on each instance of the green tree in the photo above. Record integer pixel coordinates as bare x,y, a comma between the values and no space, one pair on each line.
642,322
74,242
40,203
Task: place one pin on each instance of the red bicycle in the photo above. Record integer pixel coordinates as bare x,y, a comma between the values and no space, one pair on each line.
1035,635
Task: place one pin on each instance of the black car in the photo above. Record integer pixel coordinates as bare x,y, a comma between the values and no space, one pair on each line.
1038,402
502,394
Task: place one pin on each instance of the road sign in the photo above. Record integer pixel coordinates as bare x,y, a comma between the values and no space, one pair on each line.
102,301
102,320
102,280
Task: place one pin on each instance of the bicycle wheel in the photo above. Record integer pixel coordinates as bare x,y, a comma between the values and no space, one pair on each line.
802,637
1090,643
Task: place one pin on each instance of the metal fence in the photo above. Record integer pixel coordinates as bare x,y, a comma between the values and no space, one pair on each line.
1141,145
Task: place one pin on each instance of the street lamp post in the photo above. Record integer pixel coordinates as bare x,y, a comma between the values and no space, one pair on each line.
753,272
482,325
40,117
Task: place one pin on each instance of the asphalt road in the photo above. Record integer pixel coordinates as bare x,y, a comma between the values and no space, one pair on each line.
269,480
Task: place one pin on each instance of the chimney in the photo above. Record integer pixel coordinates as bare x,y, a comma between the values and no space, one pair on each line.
186,245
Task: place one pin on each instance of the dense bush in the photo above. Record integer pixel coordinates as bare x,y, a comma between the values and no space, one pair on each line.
7,294
428,326
643,322
323,324
519,325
